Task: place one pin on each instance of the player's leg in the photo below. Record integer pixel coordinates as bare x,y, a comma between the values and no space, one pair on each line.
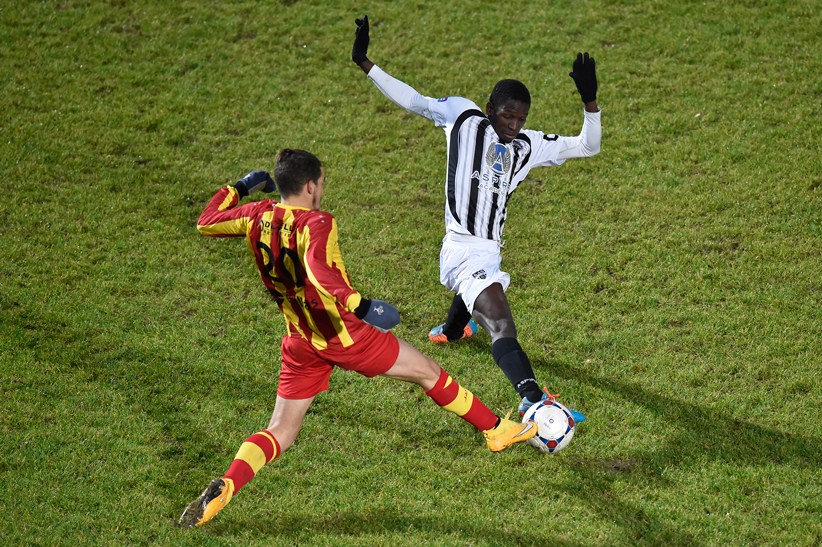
493,313
413,366
263,447
257,450
287,420
455,264
303,375
458,324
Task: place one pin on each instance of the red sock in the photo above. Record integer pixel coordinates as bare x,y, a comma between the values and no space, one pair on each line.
255,452
454,398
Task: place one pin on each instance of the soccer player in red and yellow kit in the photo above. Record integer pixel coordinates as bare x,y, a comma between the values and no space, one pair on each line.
329,323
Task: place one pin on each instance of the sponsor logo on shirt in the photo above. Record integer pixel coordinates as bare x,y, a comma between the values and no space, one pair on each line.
498,158
267,225
489,182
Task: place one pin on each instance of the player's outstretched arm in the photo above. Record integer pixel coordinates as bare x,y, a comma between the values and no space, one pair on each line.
399,93
588,142
584,74
361,39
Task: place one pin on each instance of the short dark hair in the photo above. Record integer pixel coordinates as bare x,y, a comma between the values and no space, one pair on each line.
509,89
294,169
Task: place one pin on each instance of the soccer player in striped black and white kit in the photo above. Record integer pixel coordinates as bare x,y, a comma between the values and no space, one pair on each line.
489,155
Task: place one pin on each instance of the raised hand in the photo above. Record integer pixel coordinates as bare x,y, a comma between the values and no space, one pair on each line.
255,181
585,76
361,39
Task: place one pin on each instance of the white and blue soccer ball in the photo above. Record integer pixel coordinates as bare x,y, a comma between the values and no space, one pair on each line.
555,426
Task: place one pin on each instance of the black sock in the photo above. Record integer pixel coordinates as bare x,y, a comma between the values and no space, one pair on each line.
517,367
458,317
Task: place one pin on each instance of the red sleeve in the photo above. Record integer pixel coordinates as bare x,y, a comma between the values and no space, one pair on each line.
222,217
324,264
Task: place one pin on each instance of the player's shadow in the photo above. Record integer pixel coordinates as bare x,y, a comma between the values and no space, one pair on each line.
702,431
595,489
373,524
637,527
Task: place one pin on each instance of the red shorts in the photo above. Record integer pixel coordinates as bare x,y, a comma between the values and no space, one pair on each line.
305,369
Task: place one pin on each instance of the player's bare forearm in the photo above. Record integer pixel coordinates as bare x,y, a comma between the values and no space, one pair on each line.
366,66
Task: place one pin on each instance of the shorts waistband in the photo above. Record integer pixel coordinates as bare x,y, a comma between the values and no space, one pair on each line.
468,239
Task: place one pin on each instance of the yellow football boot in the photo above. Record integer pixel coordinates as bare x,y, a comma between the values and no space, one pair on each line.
216,496
507,433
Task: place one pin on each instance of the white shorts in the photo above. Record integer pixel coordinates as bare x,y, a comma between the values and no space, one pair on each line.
469,265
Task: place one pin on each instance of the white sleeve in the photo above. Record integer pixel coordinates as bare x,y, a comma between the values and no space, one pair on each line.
587,143
400,93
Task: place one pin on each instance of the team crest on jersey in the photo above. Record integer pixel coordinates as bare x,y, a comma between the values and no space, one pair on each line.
498,158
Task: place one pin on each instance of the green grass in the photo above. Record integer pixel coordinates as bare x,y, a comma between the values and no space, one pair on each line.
669,287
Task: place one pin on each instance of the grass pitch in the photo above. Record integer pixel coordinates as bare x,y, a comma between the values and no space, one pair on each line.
669,287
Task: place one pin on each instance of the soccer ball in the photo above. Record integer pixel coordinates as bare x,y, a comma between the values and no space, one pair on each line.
555,426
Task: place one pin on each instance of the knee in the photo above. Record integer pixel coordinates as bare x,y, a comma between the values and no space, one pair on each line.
502,328
493,314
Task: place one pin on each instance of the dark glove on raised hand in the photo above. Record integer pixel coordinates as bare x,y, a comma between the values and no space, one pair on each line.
379,314
585,76
358,54
254,182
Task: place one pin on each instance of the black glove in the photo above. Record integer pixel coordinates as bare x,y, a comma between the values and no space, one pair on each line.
379,314
585,76
361,41
255,181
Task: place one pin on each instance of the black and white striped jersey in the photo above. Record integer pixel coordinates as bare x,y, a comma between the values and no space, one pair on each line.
483,172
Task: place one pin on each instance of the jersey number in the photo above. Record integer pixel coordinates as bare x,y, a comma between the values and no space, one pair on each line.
292,269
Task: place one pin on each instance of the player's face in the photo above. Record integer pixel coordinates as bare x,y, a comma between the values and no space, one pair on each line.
317,195
508,119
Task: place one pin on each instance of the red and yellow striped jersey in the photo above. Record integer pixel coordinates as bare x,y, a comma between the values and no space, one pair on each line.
299,259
